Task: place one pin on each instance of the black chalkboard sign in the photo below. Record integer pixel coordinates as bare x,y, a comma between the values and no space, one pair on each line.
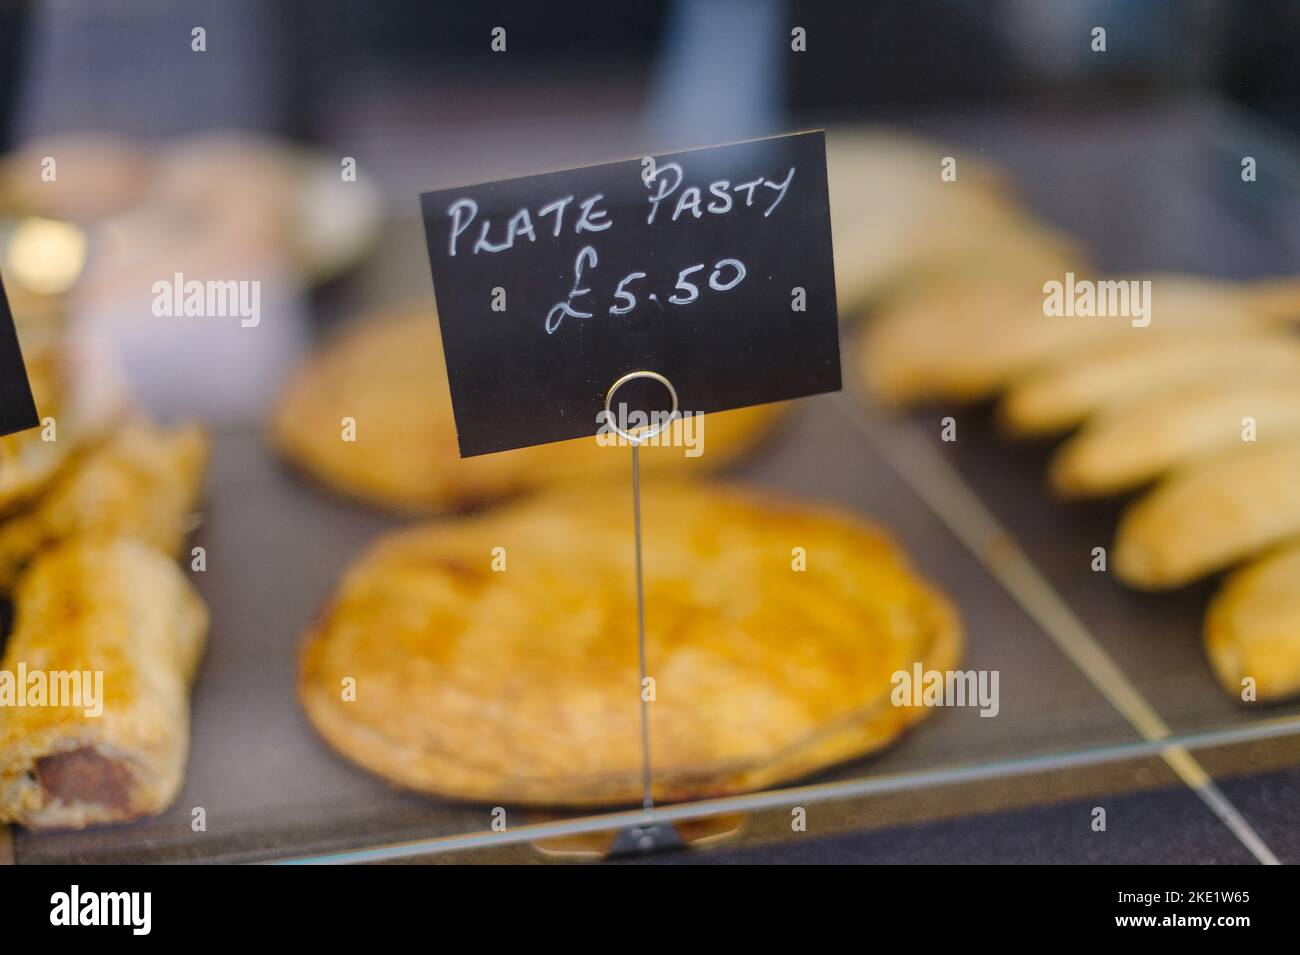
710,267
17,409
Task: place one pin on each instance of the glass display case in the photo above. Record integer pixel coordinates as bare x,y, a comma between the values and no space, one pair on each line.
1105,693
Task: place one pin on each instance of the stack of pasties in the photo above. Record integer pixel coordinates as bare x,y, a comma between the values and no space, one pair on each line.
1204,400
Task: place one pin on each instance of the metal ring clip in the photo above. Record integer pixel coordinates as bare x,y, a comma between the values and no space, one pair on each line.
647,432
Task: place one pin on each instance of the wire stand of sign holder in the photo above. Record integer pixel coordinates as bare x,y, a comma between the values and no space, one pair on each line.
650,836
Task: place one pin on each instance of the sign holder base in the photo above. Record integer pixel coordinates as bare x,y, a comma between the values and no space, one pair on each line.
650,839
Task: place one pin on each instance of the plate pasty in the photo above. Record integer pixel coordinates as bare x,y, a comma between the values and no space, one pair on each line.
519,684
387,375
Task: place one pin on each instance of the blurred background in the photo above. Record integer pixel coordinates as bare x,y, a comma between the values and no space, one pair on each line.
418,96
701,68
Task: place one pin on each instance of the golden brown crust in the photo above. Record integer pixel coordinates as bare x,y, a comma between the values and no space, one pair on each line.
520,685
1252,628
1127,446
388,375
1182,301
962,340
966,339
1138,370
126,611
141,483
1210,515
1277,297
896,221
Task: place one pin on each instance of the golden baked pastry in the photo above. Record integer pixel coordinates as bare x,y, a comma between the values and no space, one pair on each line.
1209,516
1133,373
965,339
1277,297
1126,446
1182,300
1252,628
520,685
124,610
141,483
387,374
896,221
961,340
86,396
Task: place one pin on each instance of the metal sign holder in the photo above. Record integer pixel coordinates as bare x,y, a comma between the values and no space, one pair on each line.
649,836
